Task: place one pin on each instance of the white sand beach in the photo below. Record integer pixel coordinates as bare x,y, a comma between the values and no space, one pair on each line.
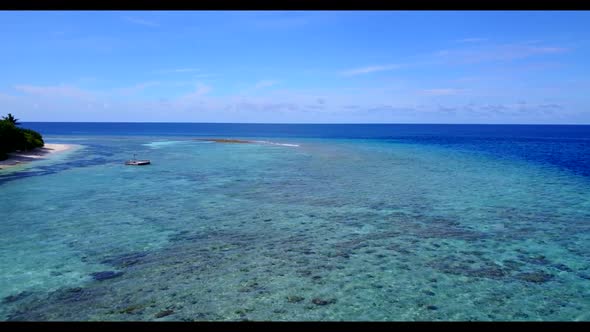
19,158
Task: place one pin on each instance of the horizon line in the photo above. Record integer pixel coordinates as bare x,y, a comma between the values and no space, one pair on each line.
328,123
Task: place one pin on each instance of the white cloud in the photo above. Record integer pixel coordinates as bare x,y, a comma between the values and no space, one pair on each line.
70,103
200,91
265,84
277,20
441,92
177,70
137,87
7,97
140,21
470,40
55,91
369,69
507,52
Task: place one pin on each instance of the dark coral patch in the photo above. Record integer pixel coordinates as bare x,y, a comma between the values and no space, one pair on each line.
16,297
125,260
104,275
535,277
164,313
294,299
318,301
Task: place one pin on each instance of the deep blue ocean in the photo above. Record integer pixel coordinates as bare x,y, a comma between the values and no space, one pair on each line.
565,146
363,222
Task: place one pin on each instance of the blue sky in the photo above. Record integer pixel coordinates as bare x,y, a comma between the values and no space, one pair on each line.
296,66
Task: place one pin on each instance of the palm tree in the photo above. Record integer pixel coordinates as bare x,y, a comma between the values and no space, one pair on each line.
10,118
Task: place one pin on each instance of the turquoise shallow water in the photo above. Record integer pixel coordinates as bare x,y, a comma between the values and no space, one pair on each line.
330,229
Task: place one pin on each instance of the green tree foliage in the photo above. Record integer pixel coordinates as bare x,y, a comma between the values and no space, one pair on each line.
32,139
13,138
10,135
10,118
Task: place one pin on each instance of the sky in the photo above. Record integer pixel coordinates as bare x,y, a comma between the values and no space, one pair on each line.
296,66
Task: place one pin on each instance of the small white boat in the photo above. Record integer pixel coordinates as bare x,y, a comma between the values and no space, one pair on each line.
135,162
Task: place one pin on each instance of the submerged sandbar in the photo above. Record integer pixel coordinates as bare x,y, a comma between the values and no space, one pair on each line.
223,140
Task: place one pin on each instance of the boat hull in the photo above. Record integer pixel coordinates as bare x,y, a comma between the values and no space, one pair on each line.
137,162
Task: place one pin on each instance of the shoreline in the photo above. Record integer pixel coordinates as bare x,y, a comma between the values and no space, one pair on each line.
22,158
